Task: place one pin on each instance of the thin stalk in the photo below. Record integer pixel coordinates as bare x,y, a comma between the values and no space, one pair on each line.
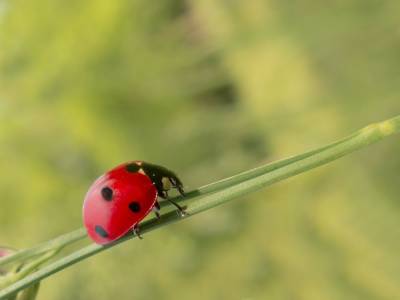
227,190
230,181
58,242
29,268
80,234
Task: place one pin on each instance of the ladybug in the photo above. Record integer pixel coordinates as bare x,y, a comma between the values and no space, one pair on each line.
119,199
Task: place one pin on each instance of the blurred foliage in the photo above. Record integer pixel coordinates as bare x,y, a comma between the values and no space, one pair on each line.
208,89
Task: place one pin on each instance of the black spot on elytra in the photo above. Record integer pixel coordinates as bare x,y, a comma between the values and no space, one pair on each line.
132,168
134,206
100,231
107,193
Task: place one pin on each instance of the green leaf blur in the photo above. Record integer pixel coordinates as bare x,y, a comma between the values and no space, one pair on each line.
203,87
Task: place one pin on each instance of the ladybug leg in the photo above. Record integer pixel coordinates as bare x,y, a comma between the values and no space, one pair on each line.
157,205
180,190
136,231
156,210
164,194
176,185
180,208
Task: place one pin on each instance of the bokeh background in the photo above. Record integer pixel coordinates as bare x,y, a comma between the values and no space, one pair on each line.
207,88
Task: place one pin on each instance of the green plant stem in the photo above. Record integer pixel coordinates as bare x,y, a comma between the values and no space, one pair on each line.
227,190
230,181
28,268
29,293
58,242
80,234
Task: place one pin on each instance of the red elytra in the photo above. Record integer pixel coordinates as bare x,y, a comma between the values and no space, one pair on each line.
109,217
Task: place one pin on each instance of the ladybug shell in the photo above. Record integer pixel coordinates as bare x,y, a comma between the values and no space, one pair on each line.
116,202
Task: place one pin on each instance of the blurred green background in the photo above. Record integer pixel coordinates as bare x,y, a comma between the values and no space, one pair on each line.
208,89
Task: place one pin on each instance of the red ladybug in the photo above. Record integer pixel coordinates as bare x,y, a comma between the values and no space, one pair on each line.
118,200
